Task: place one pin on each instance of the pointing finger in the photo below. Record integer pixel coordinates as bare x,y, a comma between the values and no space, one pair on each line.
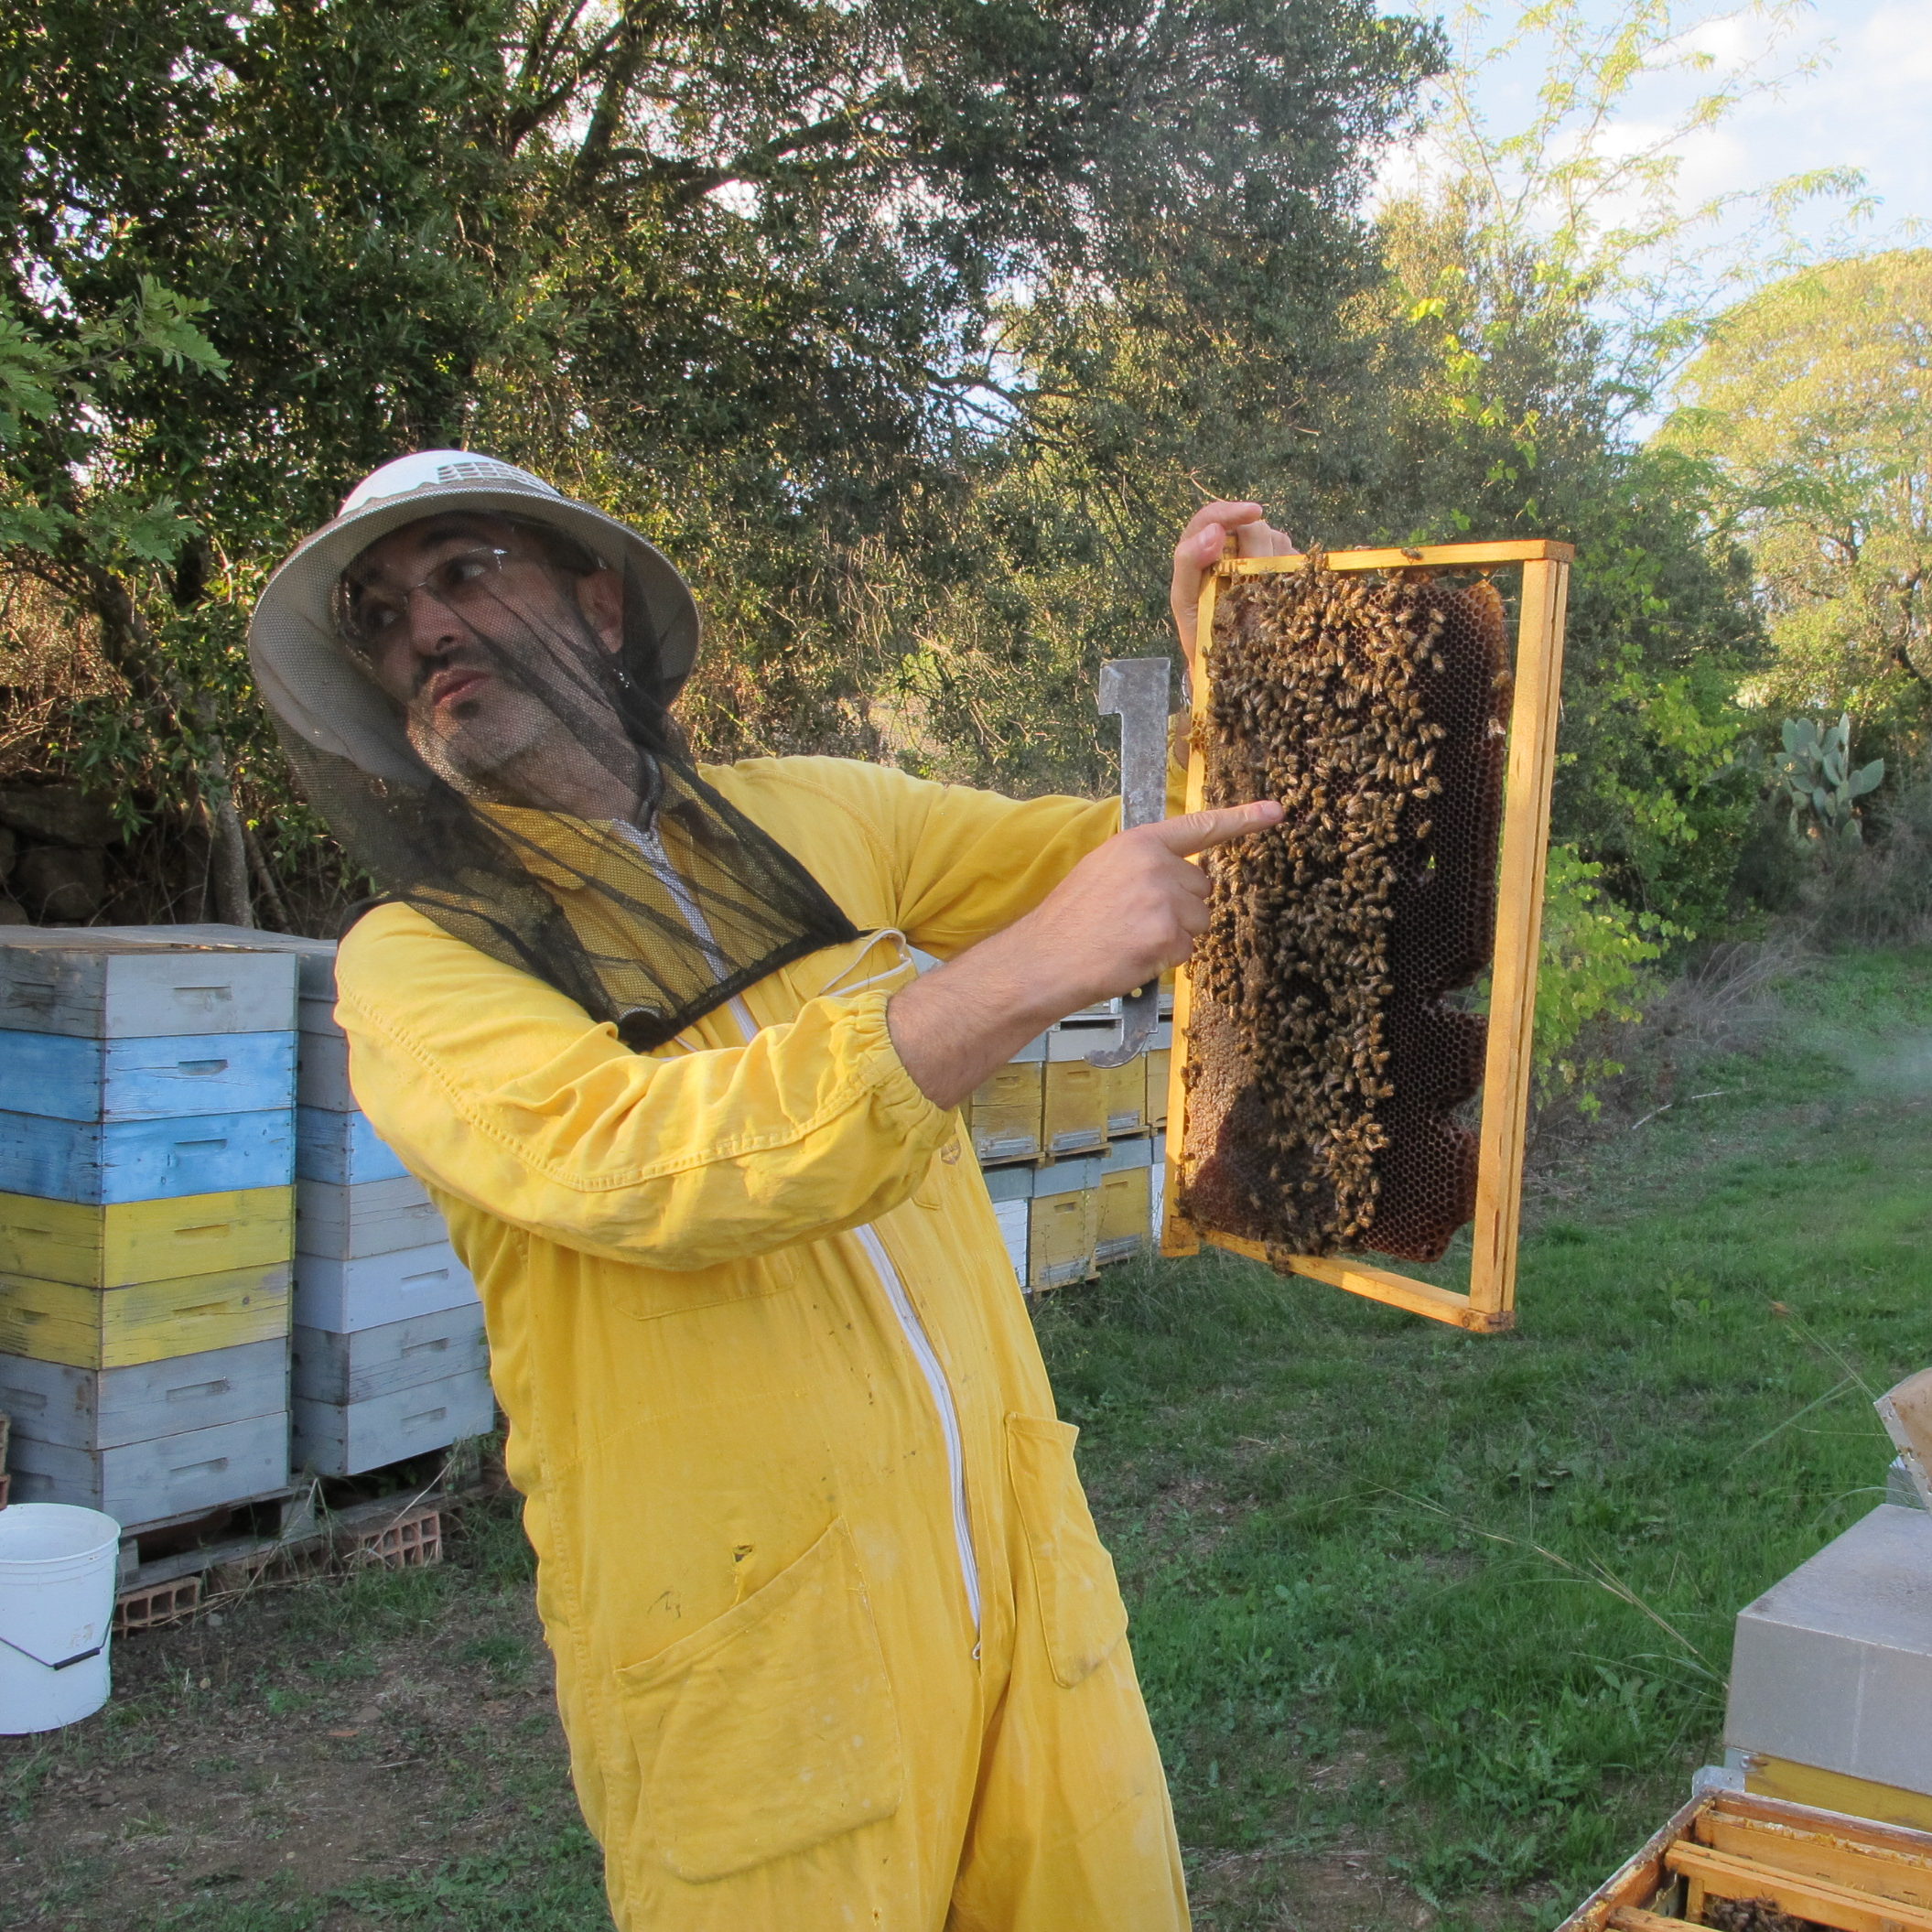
1198,831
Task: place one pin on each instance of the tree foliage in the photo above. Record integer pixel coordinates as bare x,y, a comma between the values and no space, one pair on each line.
912,332
754,279
1813,405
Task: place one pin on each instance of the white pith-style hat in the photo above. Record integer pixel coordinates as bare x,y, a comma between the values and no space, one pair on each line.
299,663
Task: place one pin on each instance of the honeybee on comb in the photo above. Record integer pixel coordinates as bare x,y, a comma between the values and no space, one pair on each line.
1325,1065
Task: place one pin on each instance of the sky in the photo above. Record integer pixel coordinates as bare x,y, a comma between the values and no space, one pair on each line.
1868,105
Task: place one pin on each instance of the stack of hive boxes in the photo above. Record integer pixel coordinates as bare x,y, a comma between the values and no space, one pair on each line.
146,1162
1071,1152
389,1359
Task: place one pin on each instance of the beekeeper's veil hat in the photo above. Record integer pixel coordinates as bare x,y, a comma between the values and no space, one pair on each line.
294,643
662,906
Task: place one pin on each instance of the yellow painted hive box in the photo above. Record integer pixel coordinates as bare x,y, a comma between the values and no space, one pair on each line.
1076,1104
145,1321
1732,1859
1125,1218
130,1241
1060,1239
1127,1098
1006,1114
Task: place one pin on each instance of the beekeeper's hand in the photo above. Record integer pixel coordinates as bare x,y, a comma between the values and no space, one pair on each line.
1130,910
1203,543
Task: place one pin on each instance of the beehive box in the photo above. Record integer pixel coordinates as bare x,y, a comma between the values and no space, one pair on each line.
147,1159
312,960
325,1071
376,1218
1061,1233
90,1408
1081,1033
345,1295
1006,1113
345,1438
330,1366
149,1078
145,1320
132,1241
1123,1223
1126,1098
1730,1859
1074,1119
103,1163
342,1148
1830,1694
103,984
1062,1223
143,1483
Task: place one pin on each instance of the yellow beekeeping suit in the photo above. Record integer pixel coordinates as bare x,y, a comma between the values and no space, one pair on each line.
837,1644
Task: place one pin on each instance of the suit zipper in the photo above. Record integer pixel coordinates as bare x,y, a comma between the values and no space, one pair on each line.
923,1353
917,1341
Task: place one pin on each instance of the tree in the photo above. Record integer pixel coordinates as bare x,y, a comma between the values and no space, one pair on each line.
289,170
1813,406
751,278
1548,281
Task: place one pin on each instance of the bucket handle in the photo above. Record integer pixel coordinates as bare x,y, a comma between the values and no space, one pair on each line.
66,1663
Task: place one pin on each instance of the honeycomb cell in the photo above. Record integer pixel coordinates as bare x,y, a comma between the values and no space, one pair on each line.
1325,1064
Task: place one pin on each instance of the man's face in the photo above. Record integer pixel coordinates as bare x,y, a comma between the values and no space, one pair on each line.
464,622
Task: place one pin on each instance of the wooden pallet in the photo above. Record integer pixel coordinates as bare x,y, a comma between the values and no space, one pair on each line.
390,1532
1825,1867
1489,1303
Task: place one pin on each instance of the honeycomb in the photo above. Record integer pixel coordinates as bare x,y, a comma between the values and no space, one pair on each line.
1325,1065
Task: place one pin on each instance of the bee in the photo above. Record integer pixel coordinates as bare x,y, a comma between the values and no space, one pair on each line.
1347,697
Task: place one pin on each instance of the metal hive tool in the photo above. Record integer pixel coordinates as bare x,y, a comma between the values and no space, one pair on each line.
1326,1063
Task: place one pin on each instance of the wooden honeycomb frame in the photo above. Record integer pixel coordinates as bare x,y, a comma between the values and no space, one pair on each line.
1489,1305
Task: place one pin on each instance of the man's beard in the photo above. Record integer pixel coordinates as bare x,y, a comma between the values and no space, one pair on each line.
496,751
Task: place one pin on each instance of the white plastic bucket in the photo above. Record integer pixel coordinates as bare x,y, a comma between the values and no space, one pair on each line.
57,1611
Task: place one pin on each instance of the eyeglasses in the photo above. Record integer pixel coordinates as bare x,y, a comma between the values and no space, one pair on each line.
462,582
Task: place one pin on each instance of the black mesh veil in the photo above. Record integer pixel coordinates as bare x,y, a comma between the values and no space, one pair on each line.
484,742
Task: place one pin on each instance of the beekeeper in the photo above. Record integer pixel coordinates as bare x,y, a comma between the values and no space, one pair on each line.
836,1645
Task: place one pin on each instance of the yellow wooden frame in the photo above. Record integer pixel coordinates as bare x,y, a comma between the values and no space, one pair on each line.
1490,1303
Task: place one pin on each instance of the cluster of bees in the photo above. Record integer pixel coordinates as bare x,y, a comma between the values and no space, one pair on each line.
1325,1069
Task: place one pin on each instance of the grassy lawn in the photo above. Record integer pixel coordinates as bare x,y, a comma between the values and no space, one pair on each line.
1434,1628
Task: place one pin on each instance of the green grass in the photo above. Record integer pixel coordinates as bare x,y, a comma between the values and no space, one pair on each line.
1492,1579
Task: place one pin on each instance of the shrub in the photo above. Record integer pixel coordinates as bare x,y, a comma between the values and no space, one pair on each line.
1594,956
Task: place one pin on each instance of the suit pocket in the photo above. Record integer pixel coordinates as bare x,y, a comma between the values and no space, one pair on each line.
1081,1615
771,1729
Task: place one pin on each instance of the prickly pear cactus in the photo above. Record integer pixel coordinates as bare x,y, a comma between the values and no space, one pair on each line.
1820,785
